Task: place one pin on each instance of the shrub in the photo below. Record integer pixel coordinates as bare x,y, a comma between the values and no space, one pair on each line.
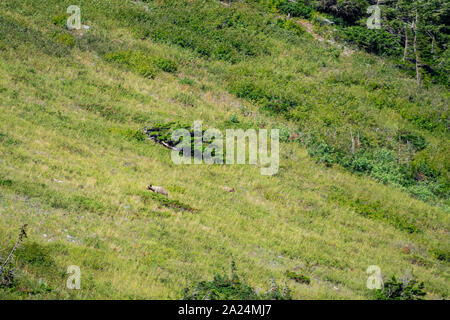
60,20
419,143
349,10
224,287
285,134
295,9
323,153
442,254
298,277
170,203
34,254
65,39
290,25
166,65
162,134
404,290
372,40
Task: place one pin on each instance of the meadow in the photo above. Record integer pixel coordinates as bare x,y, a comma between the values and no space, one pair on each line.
364,167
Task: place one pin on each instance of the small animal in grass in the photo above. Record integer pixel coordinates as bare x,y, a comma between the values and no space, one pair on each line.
228,189
159,190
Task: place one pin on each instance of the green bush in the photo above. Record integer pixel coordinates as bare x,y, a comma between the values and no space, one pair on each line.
171,203
230,287
65,38
405,290
166,65
298,277
34,254
375,41
348,10
324,153
295,9
60,20
288,24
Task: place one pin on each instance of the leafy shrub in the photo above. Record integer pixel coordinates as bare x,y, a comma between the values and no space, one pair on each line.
224,287
6,183
171,203
375,210
442,254
60,20
405,290
288,24
298,277
65,38
349,10
34,254
419,143
295,9
323,153
234,118
220,288
372,40
166,65
386,169
162,133
422,191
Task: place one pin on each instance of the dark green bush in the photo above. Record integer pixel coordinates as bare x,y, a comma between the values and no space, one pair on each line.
348,10
34,254
60,20
166,65
65,38
324,153
295,9
230,287
288,24
162,133
405,290
418,142
375,41
171,203
300,278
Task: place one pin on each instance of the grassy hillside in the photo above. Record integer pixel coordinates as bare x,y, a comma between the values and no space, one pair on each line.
74,165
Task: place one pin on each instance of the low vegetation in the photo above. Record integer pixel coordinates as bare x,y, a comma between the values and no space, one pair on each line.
364,169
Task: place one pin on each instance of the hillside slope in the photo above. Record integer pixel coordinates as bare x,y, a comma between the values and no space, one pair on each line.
74,165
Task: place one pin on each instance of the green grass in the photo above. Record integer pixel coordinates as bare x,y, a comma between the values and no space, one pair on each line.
74,165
